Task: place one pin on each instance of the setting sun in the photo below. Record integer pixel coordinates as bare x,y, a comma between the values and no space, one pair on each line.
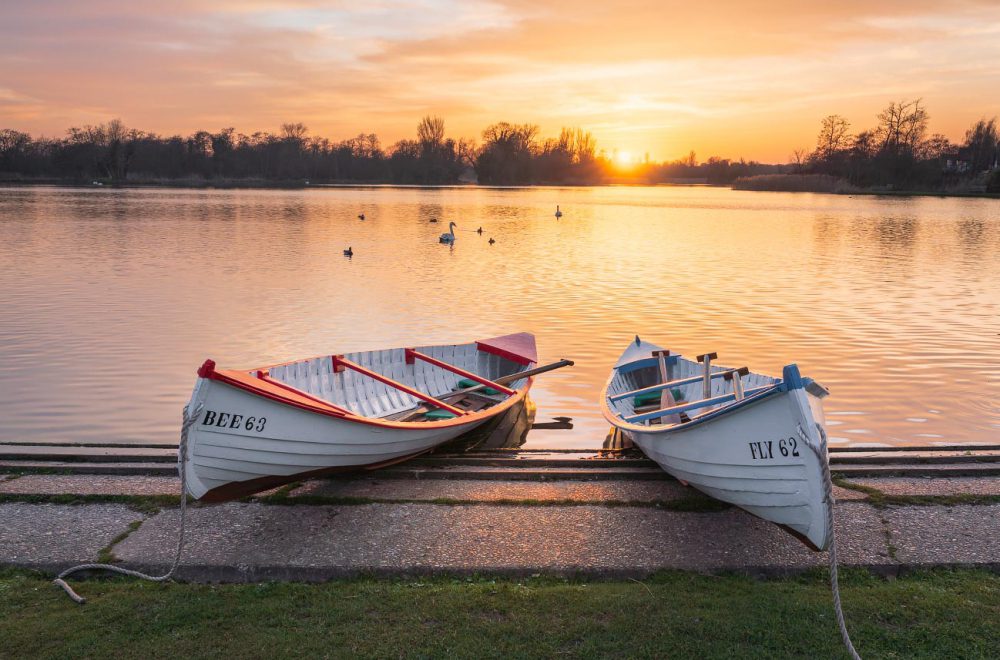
624,159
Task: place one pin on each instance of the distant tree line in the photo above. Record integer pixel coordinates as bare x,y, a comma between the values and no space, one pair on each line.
510,154
898,153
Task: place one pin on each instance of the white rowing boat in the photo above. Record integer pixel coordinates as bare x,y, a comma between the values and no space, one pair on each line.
263,427
751,440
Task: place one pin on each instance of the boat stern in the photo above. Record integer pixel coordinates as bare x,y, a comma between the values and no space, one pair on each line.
805,396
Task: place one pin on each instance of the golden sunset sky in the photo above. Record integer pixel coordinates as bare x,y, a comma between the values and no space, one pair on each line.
730,78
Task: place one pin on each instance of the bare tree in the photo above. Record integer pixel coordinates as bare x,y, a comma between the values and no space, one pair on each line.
902,126
799,157
296,131
834,136
430,130
982,143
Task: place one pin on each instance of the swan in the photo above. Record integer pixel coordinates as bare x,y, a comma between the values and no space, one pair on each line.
349,252
558,212
448,236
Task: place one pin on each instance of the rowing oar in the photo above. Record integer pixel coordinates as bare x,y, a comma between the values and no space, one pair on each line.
504,380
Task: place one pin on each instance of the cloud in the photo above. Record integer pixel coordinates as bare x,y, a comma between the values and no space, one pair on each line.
730,77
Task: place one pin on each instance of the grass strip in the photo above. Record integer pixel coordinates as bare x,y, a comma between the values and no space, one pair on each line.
147,504
106,555
881,499
932,614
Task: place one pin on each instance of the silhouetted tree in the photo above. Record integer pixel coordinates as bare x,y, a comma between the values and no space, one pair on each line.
981,144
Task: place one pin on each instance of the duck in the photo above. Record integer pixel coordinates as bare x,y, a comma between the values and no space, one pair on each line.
434,219
361,216
492,241
448,236
558,212
349,252
479,231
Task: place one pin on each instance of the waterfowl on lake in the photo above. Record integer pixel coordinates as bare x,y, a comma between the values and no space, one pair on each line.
744,438
492,241
434,220
448,236
558,212
479,231
267,426
349,252
361,216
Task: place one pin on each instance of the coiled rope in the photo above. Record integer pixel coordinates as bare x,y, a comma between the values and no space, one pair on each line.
189,421
822,454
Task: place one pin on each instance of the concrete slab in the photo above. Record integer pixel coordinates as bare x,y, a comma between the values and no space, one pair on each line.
53,537
931,486
493,491
935,535
90,484
239,542
472,490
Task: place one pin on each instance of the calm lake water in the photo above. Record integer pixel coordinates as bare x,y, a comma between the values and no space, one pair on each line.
112,298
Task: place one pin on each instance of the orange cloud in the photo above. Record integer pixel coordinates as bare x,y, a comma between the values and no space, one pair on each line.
730,78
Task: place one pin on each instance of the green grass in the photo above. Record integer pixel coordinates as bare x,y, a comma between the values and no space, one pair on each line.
939,614
880,499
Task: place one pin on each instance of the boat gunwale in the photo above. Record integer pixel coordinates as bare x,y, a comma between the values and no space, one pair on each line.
617,421
246,381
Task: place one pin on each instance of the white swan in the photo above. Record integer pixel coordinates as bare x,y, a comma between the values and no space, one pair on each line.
558,212
448,236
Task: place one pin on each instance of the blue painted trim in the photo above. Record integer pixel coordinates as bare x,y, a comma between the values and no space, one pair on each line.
792,378
694,405
754,398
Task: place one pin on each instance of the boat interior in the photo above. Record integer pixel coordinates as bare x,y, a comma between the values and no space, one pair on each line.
408,385
670,390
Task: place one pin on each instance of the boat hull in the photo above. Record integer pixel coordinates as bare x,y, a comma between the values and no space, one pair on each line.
274,443
738,459
765,453
264,427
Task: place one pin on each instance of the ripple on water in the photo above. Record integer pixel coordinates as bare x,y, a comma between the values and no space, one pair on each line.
112,298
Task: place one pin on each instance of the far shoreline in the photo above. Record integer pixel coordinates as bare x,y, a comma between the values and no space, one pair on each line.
255,184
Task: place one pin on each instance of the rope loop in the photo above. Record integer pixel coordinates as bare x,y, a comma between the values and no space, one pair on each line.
189,421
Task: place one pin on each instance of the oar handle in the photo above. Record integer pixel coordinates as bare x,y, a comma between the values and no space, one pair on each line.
503,380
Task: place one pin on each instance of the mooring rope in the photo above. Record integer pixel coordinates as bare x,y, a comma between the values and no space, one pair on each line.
823,456
189,421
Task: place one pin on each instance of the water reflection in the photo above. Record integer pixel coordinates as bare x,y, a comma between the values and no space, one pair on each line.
112,298
507,431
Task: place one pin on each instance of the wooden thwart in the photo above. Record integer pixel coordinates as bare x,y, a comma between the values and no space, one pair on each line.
339,363
412,354
671,384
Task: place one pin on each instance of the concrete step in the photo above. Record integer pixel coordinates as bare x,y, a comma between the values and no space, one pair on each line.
87,454
909,470
529,461
409,471
76,467
916,457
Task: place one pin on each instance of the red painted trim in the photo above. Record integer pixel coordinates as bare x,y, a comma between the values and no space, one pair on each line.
340,361
507,355
411,354
244,381
270,390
